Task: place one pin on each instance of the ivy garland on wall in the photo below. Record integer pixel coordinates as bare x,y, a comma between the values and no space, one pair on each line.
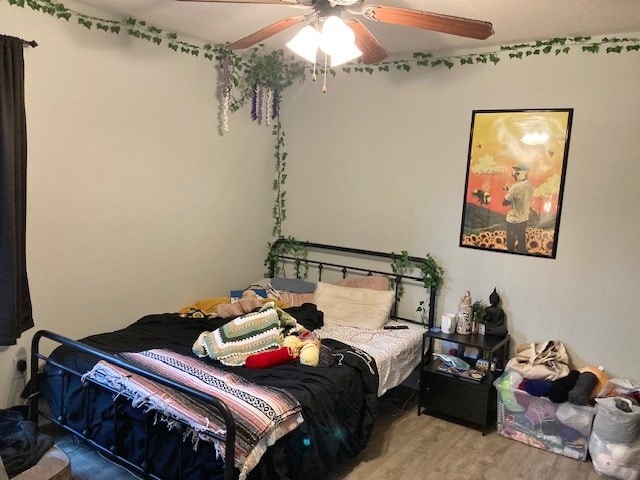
261,77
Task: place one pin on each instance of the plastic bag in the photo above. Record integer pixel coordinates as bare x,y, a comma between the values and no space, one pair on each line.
452,361
615,440
614,460
575,417
620,387
617,420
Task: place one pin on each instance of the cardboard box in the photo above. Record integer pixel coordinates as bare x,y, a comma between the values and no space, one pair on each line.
561,428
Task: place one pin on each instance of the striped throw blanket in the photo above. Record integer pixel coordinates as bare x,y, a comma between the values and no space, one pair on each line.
262,414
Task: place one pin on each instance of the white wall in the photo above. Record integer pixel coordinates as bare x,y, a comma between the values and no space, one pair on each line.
379,162
136,204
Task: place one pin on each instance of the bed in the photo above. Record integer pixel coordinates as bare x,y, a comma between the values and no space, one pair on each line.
288,421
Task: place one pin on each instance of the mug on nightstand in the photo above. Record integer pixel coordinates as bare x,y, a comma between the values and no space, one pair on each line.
448,323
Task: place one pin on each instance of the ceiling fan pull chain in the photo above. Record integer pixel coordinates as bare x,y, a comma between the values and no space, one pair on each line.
315,60
324,84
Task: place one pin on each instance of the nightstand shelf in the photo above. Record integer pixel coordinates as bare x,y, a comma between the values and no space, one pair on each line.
455,397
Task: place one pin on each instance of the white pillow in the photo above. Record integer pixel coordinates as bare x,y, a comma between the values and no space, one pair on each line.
353,307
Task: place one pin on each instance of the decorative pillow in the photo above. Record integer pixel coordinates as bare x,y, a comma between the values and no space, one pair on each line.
353,307
373,282
294,285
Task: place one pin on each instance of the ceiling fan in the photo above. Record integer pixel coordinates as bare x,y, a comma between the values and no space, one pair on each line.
372,51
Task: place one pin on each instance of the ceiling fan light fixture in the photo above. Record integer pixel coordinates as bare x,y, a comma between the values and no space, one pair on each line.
345,54
305,43
338,41
335,34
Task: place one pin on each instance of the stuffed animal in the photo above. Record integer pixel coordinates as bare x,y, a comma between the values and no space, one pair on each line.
249,302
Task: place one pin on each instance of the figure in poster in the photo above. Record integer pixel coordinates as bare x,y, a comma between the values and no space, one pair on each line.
518,197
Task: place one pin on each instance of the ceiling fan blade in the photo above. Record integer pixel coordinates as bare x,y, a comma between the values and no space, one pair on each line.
265,33
372,50
272,2
464,27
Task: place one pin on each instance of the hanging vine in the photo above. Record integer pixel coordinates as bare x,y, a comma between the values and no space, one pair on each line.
287,246
279,211
261,77
257,77
432,275
276,71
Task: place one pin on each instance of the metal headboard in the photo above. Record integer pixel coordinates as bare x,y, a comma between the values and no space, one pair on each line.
321,265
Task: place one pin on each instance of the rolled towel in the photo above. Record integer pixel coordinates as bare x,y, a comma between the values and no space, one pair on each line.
269,358
581,392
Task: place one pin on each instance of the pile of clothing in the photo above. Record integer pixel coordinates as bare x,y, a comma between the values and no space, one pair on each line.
21,445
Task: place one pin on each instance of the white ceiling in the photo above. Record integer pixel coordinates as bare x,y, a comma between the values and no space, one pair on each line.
514,21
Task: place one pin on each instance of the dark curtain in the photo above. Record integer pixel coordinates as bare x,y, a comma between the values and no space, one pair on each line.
15,301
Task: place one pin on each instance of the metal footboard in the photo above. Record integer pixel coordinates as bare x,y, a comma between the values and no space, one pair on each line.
230,472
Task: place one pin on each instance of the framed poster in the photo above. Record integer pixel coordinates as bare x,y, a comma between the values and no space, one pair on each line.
515,179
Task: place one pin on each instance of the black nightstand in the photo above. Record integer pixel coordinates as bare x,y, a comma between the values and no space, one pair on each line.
457,398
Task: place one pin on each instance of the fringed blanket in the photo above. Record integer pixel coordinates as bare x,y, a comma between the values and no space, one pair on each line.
262,414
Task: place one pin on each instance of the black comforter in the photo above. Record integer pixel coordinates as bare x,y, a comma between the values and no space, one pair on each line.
338,405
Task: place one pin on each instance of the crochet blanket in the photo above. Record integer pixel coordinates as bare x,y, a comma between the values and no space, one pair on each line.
262,414
255,332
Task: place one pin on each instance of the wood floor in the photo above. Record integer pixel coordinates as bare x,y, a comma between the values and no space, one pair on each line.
404,446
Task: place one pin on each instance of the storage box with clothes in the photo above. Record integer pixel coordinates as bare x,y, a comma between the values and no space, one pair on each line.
562,428
544,403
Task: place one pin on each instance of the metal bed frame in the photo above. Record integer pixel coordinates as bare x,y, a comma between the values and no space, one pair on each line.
230,472
344,270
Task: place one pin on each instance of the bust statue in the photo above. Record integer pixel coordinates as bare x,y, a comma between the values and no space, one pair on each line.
494,317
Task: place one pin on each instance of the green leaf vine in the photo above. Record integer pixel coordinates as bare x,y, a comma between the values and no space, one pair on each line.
240,77
432,273
241,73
287,246
279,211
555,46
275,72
278,72
432,276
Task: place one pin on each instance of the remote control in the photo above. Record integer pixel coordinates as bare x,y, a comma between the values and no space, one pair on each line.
395,327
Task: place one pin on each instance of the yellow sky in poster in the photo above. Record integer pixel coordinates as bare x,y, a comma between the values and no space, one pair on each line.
497,145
